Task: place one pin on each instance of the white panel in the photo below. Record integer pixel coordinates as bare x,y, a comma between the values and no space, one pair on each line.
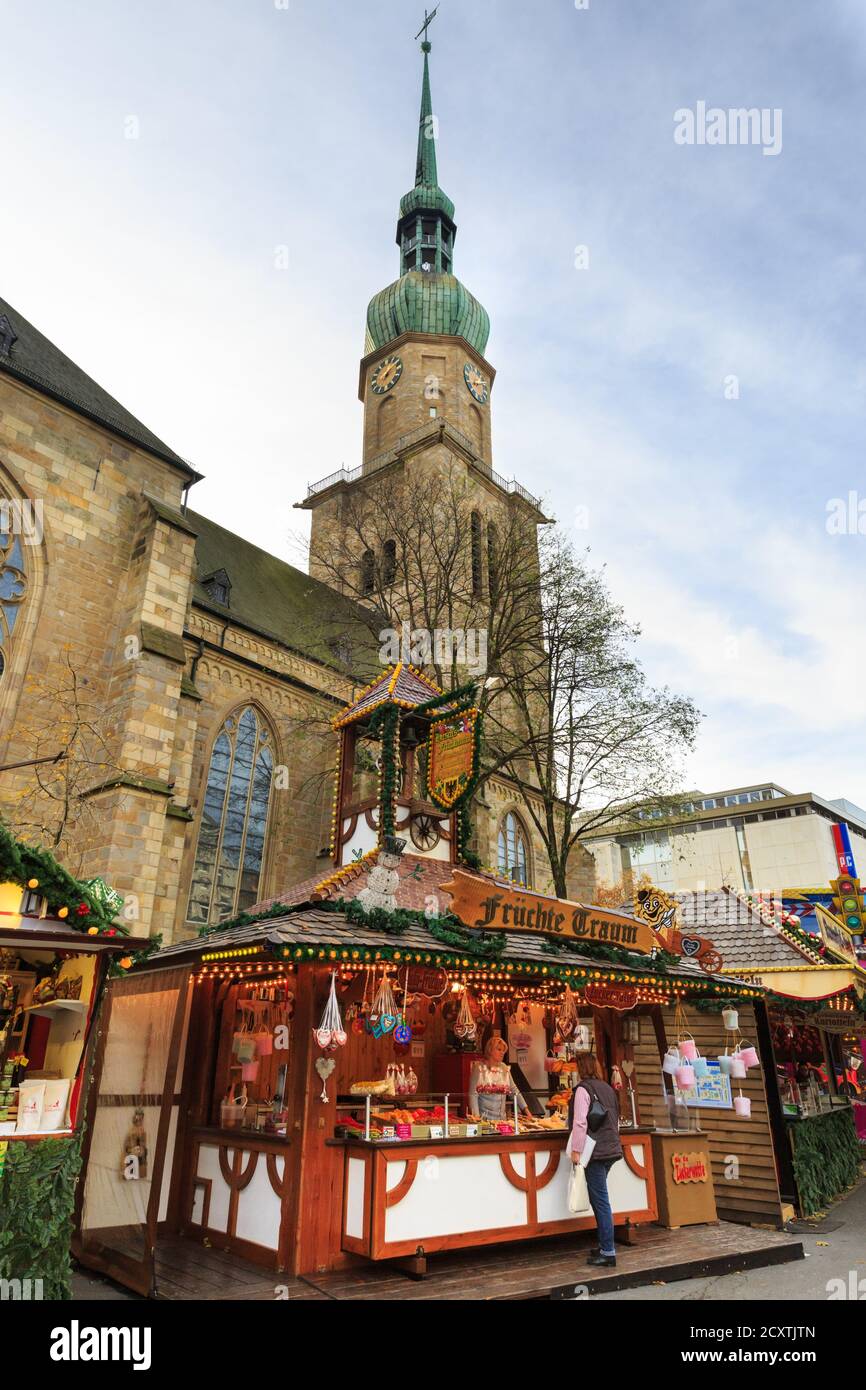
626,1190
394,1175
209,1167
355,1197
450,1195
364,839
197,1206
259,1207
169,1159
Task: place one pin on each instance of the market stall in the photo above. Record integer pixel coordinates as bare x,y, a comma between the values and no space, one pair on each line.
315,1081
57,938
810,1044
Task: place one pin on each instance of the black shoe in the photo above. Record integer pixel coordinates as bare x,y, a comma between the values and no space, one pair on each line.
606,1261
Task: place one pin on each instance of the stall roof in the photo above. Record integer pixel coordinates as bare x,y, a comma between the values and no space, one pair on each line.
744,938
309,925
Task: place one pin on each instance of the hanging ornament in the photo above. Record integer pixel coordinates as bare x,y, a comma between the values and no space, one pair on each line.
465,1026
566,1018
384,1011
324,1066
330,1032
403,1033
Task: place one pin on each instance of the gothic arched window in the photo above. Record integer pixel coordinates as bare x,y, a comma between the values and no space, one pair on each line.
13,580
368,572
475,550
389,562
513,850
231,837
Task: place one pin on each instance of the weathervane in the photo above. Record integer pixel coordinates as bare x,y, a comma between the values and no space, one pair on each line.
428,20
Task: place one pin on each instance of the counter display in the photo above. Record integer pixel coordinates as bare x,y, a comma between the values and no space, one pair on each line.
449,1194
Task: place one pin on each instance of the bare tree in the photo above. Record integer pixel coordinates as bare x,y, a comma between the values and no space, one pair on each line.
66,730
594,743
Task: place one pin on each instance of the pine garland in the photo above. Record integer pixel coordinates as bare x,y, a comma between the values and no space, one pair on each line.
37,1193
826,1156
66,896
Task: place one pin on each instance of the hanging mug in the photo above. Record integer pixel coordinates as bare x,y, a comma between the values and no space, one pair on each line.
249,1070
688,1049
738,1067
743,1106
725,1065
749,1056
701,1067
731,1019
671,1061
264,1044
685,1077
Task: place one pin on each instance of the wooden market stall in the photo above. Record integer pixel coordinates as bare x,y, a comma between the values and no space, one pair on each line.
57,940
310,1077
808,1035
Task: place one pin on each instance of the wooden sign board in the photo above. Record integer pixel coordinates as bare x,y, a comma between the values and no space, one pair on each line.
691,1167
492,906
451,758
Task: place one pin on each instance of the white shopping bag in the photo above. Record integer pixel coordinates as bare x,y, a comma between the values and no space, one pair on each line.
586,1154
578,1193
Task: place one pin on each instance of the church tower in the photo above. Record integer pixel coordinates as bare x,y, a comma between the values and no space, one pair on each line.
425,383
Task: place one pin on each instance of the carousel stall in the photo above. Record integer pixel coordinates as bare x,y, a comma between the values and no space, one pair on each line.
57,939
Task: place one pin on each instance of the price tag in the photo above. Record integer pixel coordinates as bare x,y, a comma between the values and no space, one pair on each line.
436,1132
471,1131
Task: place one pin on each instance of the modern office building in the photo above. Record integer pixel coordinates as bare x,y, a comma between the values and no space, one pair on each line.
760,839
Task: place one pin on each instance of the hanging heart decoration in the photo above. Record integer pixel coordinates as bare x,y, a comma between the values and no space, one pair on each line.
402,1033
691,945
324,1066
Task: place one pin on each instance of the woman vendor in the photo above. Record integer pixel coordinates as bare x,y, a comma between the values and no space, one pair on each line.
493,1104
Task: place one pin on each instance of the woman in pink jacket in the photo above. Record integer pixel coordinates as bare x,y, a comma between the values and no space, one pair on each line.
607,1151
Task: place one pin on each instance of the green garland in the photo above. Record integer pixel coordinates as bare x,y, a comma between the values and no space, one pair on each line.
662,962
451,932
715,1006
826,1156
461,694
37,1193
385,723
19,863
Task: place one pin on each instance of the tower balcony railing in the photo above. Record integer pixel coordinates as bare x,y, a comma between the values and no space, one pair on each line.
352,475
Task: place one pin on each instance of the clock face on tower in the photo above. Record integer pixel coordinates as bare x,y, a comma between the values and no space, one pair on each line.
477,383
386,375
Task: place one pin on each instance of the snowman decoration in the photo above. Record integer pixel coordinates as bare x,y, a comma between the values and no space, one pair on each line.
381,890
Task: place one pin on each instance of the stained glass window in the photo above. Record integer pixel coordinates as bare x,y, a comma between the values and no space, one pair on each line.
513,853
13,586
231,839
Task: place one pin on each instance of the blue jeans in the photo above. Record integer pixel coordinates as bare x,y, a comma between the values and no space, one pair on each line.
596,1182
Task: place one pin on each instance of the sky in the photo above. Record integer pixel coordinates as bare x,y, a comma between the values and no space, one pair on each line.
200,199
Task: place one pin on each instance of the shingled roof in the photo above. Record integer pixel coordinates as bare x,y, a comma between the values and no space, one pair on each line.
745,939
279,601
32,358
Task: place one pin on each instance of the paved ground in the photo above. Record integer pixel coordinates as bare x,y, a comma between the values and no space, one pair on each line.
831,1255
839,1254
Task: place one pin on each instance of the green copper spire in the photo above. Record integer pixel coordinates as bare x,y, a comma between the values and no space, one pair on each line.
427,298
425,167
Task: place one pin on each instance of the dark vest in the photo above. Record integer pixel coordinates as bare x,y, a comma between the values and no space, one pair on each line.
606,1137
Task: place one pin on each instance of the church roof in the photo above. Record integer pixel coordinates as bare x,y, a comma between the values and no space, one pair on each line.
279,601
32,358
426,302
402,685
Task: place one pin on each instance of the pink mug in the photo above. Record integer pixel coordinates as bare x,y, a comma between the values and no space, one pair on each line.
685,1077
748,1056
688,1049
249,1070
738,1067
743,1106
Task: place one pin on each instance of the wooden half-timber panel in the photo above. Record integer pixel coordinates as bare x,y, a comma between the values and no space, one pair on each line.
744,1164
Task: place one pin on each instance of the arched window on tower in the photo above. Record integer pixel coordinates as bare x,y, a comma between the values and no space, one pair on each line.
492,561
475,543
13,579
231,838
385,421
389,562
476,433
368,572
513,850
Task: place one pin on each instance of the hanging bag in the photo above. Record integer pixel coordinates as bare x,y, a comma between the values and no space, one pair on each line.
596,1114
578,1192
